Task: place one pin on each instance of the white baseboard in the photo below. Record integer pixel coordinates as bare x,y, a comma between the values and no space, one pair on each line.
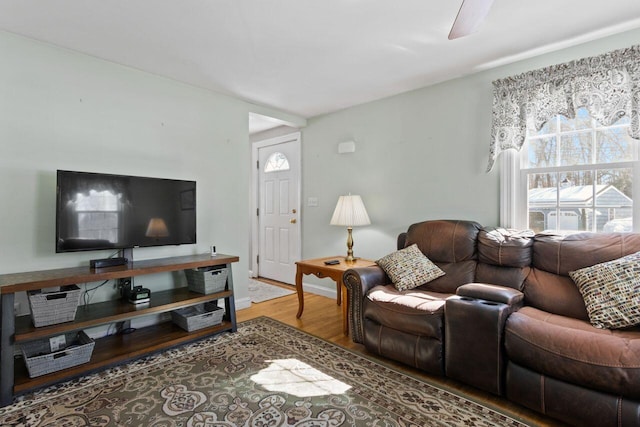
243,303
320,290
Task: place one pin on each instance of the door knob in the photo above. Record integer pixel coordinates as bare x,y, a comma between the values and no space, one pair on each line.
292,221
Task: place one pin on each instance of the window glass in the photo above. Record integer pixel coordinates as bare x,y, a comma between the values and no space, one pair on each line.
576,148
582,121
542,152
614,145
572,184
276,162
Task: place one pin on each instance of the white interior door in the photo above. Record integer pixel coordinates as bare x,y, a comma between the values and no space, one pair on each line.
279,209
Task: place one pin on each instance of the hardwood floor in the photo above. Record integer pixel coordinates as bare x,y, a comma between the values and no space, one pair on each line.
322,317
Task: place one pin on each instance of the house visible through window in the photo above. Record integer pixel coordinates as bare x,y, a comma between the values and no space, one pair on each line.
578,175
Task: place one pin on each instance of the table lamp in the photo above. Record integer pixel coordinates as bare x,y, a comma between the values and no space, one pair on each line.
350,212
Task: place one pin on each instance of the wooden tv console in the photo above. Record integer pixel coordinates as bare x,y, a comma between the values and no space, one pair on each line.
111,349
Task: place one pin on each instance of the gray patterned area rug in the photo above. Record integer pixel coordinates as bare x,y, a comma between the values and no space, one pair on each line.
260,291
266,374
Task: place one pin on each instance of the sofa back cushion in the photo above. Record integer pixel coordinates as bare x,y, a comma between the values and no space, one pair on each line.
452,246
510,277
555,294
445,241
505,247
504,256
562,254
548,286
456,274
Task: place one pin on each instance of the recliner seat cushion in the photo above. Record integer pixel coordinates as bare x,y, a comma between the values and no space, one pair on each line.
416,312
574,351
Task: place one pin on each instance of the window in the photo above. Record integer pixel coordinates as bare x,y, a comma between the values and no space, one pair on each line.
576,175
276,162
579,169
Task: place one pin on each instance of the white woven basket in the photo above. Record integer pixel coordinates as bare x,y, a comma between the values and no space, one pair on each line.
49,308
40,360
207,280
198,316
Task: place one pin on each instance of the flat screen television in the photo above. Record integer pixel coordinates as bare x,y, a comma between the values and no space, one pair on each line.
96,211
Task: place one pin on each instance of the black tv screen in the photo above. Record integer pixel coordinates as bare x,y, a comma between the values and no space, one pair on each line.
103,211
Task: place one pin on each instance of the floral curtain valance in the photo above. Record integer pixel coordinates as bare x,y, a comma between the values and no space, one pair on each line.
608,86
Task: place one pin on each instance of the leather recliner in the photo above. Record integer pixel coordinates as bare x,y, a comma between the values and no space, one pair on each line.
506,318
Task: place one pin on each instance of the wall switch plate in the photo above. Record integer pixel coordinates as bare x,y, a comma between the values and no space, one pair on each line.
312,202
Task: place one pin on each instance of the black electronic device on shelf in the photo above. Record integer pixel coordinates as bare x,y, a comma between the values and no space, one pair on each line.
136,294
108,262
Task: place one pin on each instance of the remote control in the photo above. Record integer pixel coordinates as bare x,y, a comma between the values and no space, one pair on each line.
332,262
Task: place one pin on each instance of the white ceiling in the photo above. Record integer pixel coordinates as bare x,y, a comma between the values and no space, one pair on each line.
309,57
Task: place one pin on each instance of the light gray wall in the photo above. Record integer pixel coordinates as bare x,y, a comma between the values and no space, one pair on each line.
63,110
419,155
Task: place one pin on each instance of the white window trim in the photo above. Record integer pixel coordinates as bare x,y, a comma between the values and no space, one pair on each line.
509,180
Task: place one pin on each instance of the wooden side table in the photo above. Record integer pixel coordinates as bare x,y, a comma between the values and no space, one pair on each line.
318,268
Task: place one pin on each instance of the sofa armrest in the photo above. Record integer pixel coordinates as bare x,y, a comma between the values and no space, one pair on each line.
493,293
474,334
358,282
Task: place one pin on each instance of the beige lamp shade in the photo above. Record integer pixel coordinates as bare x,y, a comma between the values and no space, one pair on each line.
350,212
157,228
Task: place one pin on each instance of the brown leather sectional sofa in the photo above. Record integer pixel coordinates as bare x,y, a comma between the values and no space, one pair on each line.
506,318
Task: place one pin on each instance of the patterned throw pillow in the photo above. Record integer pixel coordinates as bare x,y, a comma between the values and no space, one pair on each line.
611,292
409,268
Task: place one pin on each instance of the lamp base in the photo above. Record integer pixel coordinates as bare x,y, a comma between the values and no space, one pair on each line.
349,258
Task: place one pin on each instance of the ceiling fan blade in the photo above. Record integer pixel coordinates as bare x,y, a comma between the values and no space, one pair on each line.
470,17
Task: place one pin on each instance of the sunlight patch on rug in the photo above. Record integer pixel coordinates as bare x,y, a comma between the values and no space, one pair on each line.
297,378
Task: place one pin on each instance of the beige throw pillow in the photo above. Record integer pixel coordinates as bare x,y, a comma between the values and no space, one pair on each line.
409,268
611,292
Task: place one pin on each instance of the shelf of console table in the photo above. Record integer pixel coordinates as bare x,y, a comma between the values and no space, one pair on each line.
112,349
114,311
34,280
115,349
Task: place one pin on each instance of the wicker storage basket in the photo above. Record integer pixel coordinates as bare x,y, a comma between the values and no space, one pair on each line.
207,280
198,316
49,308
40,360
